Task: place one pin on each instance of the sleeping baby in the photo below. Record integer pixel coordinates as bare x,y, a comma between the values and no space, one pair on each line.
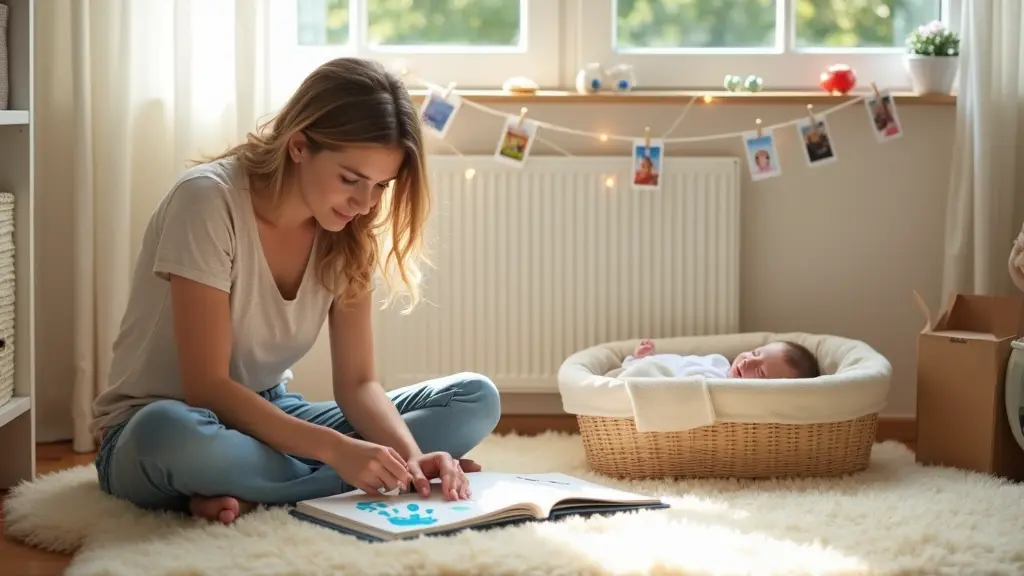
773,360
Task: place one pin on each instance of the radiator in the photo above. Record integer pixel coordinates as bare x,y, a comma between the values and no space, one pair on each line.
534,263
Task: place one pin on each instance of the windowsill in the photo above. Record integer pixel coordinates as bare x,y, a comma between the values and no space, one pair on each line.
674,97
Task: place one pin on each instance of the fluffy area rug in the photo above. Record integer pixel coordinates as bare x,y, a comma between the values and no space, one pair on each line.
895,518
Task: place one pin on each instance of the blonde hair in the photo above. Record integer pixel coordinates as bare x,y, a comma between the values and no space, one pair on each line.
346,101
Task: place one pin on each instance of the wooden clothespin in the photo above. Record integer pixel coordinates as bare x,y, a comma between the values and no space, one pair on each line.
448,90
874,88
522,115
758,122
647,137
810,114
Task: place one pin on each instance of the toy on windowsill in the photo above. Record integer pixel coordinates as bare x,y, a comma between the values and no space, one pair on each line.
520,85
594,78
734,83
838,79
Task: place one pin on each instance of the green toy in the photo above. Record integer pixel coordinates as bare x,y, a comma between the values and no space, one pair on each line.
734,83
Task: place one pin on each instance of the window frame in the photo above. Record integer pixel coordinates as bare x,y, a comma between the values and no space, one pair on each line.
782,67
468,67
560,37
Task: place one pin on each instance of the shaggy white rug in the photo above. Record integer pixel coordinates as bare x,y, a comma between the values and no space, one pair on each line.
895,518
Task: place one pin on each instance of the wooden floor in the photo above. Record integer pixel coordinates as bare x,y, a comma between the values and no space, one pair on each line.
17,559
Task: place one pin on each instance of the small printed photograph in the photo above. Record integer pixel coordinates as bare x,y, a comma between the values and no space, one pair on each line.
883,115
647,162
516,141
762,155
438,112
817,141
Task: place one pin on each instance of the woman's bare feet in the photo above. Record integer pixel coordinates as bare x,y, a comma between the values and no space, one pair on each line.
223,509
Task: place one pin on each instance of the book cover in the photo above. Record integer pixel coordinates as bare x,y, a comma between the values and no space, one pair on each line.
498,499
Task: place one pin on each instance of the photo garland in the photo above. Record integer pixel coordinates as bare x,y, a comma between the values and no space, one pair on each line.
441,105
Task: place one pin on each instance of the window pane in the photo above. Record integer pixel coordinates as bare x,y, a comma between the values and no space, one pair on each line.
322,22
670,24
861,23
448,22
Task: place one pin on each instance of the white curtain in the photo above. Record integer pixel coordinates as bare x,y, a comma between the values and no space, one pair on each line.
986,195
156,84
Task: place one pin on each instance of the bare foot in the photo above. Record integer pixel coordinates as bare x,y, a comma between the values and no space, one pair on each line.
646,348
223,509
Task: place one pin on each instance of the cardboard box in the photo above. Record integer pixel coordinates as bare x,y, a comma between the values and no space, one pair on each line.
961,376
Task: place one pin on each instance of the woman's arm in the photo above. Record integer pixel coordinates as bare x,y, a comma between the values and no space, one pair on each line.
202,329
362,399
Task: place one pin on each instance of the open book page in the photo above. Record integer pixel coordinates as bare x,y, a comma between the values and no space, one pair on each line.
555,490
495,495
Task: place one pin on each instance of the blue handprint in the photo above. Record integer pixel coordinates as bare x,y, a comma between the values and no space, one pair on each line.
395,516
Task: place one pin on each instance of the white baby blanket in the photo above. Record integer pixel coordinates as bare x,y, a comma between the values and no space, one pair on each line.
663,400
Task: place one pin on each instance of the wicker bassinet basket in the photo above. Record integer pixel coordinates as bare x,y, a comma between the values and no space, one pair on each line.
793,428
729,449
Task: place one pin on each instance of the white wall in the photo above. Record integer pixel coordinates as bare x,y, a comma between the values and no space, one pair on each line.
836,249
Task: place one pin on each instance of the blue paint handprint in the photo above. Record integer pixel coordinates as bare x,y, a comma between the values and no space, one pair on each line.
396,517
411,518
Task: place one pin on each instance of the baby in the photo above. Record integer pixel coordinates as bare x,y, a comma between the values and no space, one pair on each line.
773,360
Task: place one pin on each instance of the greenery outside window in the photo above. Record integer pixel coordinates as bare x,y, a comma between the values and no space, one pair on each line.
672,44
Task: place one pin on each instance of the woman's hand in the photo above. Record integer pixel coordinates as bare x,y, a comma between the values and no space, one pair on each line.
451,472
369,467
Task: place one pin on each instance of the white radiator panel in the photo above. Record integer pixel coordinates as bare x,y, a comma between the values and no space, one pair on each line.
538,262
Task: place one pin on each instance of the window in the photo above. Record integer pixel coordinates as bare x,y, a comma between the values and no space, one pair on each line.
672,44
475,43
788,43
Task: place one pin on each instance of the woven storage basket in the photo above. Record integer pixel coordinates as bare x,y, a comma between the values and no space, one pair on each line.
4,78
6,297
745,443
728,450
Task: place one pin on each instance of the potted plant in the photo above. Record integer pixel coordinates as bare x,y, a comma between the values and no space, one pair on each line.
933,58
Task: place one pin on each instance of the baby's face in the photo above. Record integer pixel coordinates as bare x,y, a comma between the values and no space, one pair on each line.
768,361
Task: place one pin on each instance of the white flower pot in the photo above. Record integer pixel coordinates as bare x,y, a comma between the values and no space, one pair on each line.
932,74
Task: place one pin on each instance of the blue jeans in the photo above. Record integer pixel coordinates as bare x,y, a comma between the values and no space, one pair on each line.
169,451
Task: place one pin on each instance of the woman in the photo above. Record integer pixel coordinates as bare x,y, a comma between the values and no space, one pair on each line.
241,265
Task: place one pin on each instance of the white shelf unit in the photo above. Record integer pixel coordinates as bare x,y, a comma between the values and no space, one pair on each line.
17,176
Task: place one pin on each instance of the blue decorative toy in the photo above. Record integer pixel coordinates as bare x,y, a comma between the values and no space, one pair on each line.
594,78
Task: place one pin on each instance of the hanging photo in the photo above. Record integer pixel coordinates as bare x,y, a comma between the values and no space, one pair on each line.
762,156
647,162
516,141
438,111
817,141
884,119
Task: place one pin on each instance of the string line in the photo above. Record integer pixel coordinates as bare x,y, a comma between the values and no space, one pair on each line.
677,140
680,117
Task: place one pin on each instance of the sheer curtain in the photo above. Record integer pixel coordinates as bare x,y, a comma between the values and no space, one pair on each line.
986,195
154,85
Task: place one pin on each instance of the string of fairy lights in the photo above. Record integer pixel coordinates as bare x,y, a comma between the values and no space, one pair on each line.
443,103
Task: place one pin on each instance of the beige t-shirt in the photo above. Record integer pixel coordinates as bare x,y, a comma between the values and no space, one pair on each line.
205,230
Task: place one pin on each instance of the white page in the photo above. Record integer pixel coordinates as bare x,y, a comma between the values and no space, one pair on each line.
492,492
557,486
408,512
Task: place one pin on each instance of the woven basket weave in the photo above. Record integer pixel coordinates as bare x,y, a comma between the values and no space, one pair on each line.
7,297
728,450
4,81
